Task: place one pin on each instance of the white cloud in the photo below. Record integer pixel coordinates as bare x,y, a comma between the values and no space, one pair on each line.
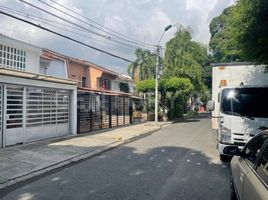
142,20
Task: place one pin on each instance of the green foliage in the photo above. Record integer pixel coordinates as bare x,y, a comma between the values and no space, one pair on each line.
146,86
181,85
178,90
184,58
223,45
207,76
240,33
144,65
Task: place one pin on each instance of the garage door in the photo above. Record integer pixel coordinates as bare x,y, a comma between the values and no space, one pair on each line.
47,113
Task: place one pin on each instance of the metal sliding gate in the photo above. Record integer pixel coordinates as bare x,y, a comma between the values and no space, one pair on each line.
32,113
98,111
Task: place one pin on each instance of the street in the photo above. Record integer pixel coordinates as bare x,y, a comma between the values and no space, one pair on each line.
178,162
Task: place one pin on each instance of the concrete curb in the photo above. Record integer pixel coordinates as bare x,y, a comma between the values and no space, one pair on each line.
87,155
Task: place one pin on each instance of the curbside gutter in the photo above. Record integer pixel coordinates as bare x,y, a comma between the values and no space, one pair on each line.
75,159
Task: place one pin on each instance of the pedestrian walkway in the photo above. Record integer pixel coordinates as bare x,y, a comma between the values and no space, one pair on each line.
21,162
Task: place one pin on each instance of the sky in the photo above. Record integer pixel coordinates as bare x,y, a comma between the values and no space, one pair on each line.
138,21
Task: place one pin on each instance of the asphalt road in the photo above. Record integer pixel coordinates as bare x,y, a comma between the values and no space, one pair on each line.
178,162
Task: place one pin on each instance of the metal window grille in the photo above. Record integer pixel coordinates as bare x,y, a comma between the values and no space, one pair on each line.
12,58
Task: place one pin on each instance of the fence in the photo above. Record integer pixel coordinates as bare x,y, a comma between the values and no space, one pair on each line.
97,110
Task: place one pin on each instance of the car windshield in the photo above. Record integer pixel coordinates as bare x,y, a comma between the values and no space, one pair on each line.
247,102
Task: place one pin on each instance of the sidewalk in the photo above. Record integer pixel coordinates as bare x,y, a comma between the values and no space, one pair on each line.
21,162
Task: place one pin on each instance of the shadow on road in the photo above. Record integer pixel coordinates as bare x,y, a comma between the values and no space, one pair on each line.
164,172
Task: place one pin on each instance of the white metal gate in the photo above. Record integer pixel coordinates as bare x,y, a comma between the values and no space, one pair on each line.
47,113
32,113
14,114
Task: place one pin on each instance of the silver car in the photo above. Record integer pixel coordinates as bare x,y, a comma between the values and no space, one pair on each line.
249,169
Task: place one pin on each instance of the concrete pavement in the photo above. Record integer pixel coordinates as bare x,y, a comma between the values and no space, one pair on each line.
21,162
177,162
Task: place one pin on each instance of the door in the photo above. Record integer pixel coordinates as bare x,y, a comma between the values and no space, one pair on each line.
14,114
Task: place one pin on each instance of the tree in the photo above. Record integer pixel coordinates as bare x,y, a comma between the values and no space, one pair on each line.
144,66
252,32
146,86
240,33
184,58
223,45
177,92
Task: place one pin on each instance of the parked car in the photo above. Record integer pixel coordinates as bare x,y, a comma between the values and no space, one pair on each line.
249,169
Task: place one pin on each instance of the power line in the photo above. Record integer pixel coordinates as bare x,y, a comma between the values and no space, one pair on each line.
46,21
105,36
54,15
100,24
67,37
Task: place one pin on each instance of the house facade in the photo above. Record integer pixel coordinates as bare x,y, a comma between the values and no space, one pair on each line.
99,105
90,75
123,83
34,104
53,64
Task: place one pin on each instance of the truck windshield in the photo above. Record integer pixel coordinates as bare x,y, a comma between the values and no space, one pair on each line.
246,102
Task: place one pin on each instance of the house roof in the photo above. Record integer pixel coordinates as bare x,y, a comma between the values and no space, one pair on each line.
125,77
48,54
34,76
84,62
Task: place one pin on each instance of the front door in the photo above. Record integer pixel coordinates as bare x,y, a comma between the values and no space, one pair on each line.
14,114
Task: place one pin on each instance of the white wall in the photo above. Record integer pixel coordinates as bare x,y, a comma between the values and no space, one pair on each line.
32,61
32,52
55,68
116,87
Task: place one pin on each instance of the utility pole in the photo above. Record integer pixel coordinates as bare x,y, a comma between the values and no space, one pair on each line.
157,73
156,84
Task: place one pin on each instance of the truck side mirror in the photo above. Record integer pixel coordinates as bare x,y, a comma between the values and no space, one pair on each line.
210,105
232,150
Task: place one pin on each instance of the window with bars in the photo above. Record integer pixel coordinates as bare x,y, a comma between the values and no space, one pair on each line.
12,58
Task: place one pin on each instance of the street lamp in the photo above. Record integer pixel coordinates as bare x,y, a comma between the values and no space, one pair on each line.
156,74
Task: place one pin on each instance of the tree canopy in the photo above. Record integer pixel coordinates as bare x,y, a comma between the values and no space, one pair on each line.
144,66
184,58
240,33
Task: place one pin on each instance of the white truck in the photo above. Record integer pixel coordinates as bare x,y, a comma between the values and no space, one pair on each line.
239,103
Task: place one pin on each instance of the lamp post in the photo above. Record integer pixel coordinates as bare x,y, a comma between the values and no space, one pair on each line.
156,74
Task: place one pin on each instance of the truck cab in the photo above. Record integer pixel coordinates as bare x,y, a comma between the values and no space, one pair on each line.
242,114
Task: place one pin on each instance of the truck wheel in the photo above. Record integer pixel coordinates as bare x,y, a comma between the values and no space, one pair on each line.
225,158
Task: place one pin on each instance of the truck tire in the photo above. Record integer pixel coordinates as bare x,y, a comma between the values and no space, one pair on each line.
225,158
